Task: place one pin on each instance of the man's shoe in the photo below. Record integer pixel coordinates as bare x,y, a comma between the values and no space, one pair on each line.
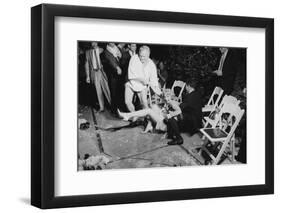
177,141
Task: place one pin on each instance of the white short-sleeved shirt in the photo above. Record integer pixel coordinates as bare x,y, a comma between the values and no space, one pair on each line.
137,70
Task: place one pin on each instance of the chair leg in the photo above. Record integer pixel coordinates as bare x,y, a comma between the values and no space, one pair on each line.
222,149
204,144
232,144
209,153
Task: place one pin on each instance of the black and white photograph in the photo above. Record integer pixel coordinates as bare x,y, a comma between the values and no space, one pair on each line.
159,105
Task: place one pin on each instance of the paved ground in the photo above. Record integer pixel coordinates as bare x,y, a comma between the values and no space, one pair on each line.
129,147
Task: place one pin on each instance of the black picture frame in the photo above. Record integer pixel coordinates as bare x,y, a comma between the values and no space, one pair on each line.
43,105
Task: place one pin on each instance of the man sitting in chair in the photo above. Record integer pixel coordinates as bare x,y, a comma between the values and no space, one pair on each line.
142,74
191,115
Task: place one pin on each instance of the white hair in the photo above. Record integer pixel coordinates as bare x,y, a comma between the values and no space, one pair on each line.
145,48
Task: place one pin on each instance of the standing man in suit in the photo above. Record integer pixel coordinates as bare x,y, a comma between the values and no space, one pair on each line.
227,69
112,56
190,118
132,49
95,74
127,53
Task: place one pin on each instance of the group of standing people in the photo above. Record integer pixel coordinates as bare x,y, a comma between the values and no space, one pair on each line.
106,69
119,74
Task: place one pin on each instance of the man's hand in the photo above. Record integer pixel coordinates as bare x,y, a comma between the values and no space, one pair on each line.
119,71
218,72
88,80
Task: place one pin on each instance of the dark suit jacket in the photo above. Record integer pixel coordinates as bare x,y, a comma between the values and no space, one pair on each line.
124,63
110,64
191,108
229,70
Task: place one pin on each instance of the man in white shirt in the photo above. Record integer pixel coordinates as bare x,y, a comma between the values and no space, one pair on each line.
142,74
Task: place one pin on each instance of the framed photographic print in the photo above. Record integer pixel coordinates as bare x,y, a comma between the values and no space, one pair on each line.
139,106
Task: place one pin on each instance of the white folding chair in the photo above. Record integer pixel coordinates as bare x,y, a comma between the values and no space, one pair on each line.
210,120
181,85
213,101
219,137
